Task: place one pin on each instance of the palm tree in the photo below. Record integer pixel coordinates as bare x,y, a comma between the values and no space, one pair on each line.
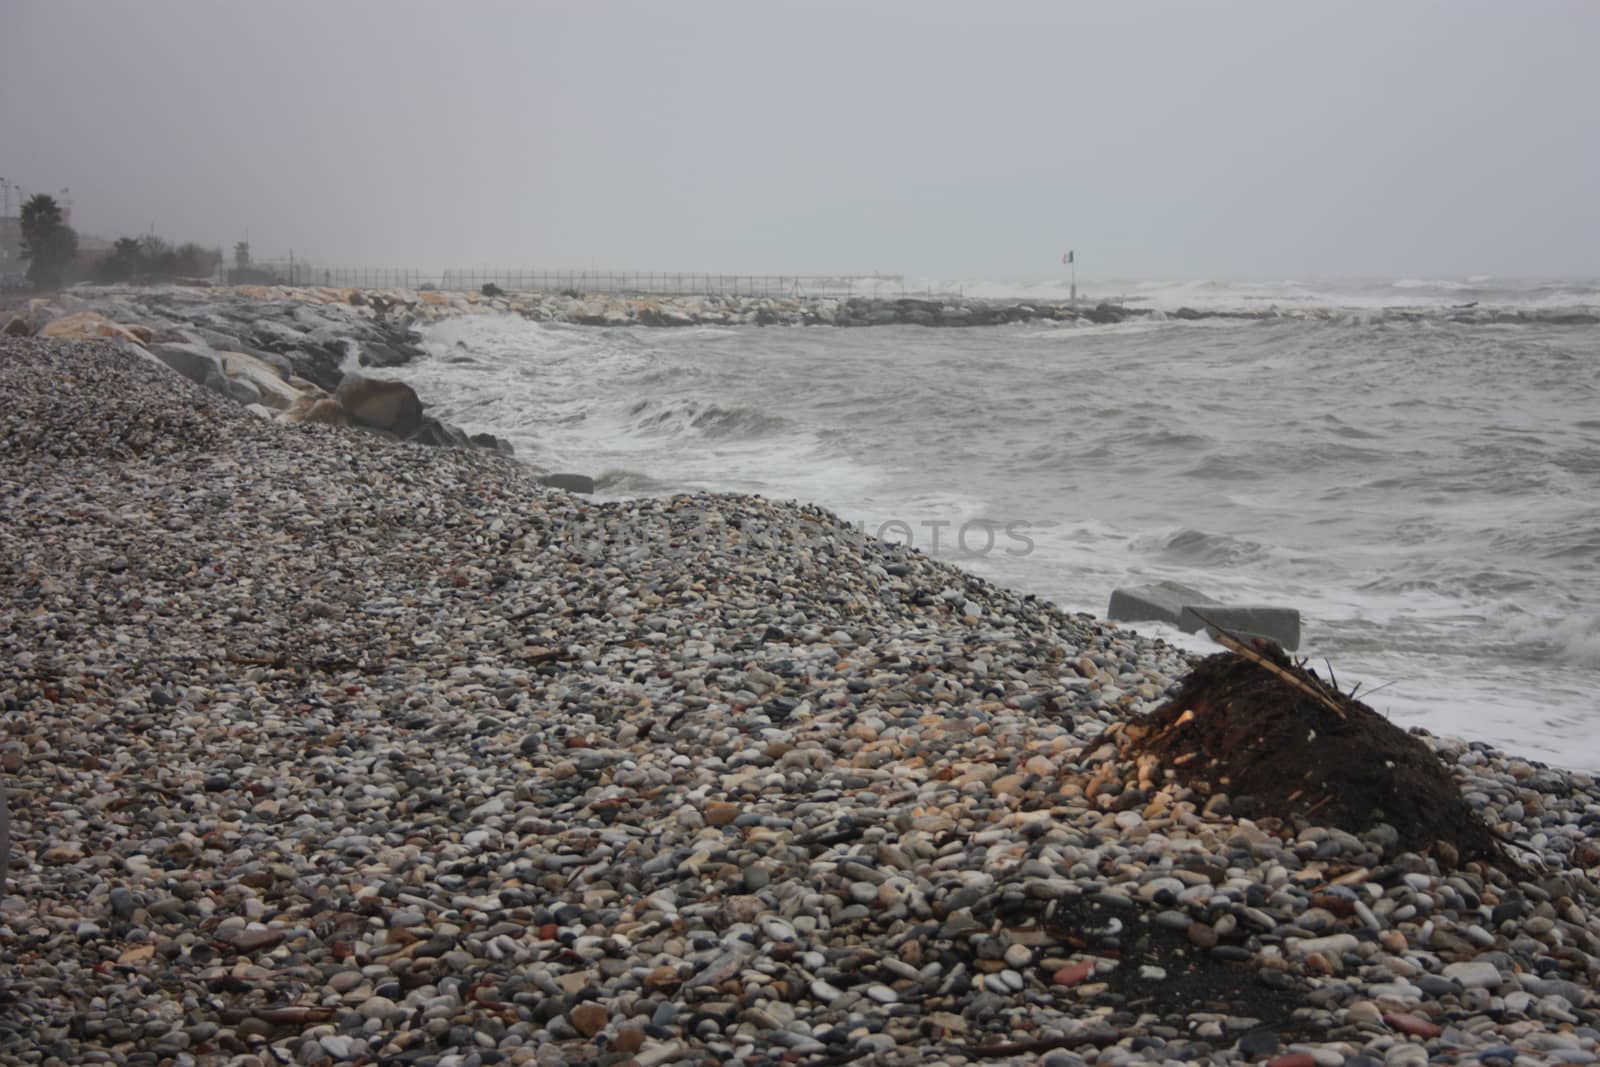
48,243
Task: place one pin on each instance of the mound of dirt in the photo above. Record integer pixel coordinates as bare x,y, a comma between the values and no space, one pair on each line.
1307,754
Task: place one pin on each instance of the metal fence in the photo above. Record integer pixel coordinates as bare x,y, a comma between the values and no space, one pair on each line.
665,283
299,272
674,283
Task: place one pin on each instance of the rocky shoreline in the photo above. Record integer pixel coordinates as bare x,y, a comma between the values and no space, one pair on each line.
322,750
293,353
298,354
317,354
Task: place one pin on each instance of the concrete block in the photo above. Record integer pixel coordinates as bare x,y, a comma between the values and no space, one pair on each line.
1157,602
1176,604
1246,620
572,483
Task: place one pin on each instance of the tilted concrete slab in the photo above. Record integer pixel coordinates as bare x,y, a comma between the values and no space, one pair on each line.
1179,605
1246,620
572,483
1156,602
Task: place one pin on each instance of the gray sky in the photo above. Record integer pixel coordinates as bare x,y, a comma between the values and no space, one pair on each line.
951,140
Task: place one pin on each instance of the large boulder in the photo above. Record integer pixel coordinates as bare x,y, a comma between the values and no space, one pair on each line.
224,340
492,443
195,362
90,325
382,404
268,381
430,431
592,313
241,389
825,313
318,365
379,354
1104,314
279,363
138,351
275,336
321,410
333,339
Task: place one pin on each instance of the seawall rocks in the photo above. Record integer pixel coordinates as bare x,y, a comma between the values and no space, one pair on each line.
284,353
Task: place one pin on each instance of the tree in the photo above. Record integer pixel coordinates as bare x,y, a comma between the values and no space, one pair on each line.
194,261
48,244
154,259
160,261
125,263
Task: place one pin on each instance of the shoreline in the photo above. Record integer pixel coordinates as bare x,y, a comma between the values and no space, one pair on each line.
287,353
668,311
383,753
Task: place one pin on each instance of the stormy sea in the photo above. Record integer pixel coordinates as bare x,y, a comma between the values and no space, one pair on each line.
1425,490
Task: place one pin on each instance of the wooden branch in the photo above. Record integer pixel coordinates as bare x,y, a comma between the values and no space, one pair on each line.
1240,648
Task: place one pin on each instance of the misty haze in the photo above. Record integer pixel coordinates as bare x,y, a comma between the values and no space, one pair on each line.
944,141
631,535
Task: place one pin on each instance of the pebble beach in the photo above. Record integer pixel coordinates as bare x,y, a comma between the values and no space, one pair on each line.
326,748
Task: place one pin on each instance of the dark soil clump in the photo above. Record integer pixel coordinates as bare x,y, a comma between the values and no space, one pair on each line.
1224,979
1238,728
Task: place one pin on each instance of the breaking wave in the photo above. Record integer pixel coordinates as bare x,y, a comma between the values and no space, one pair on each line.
691,418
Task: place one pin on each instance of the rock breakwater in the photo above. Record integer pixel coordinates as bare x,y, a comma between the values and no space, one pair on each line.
323,751
295,358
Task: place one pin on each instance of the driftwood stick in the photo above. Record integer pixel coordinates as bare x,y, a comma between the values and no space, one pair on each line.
1238,647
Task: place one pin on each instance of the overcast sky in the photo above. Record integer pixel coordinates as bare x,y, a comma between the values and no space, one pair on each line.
953,140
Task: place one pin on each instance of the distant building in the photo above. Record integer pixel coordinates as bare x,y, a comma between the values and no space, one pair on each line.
10,242
13,268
